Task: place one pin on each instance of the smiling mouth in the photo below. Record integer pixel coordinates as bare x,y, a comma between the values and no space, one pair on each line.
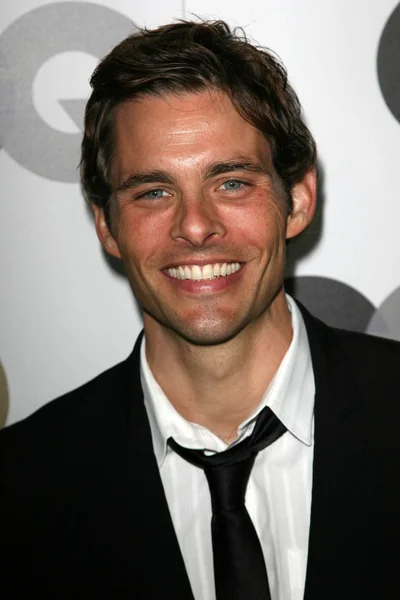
206,272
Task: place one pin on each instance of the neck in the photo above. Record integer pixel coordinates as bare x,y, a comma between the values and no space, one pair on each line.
220,386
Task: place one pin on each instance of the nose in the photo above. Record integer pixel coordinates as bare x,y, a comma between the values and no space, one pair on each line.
196,221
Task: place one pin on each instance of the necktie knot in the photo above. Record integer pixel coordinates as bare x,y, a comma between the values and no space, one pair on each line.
267,429
228,484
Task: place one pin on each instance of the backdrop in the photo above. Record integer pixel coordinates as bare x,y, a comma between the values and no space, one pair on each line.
66,313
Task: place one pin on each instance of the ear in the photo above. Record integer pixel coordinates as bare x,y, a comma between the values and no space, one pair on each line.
304,198
104,234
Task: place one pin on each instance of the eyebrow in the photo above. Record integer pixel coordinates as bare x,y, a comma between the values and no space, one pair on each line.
136,179
230,166
212,170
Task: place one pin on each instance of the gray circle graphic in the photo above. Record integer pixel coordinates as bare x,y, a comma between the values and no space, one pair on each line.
24,46
334,302
389,63
4,398
390,312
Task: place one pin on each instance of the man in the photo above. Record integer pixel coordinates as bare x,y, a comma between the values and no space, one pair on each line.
199,167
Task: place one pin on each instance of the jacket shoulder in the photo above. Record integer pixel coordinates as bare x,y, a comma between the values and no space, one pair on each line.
348,357
370,349
374,362
70,415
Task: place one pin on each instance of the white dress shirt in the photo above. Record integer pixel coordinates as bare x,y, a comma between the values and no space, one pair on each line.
278,496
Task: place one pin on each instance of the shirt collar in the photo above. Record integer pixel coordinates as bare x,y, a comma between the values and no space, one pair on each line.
290,395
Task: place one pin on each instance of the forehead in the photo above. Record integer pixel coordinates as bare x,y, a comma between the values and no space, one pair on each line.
186,129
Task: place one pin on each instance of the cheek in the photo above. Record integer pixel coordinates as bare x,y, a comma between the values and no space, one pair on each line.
140,234
258,223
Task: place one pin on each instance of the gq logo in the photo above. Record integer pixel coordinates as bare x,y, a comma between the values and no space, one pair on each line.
25,46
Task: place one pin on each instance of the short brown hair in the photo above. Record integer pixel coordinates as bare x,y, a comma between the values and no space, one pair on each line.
189,57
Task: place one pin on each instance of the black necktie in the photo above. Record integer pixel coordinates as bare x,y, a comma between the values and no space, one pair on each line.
239,567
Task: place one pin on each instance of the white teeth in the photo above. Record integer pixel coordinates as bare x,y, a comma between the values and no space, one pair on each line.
208,272
197,273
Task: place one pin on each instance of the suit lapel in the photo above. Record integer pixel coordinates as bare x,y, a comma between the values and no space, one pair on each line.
336,556
150,520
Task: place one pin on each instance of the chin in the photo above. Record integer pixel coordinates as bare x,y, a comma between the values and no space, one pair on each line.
206,334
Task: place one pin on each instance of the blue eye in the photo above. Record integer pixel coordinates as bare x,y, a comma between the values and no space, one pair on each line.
154,194
232,185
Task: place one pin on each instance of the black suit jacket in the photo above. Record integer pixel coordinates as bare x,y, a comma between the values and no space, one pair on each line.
83,511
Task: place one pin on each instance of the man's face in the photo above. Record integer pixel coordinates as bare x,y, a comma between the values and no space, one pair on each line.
198,215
